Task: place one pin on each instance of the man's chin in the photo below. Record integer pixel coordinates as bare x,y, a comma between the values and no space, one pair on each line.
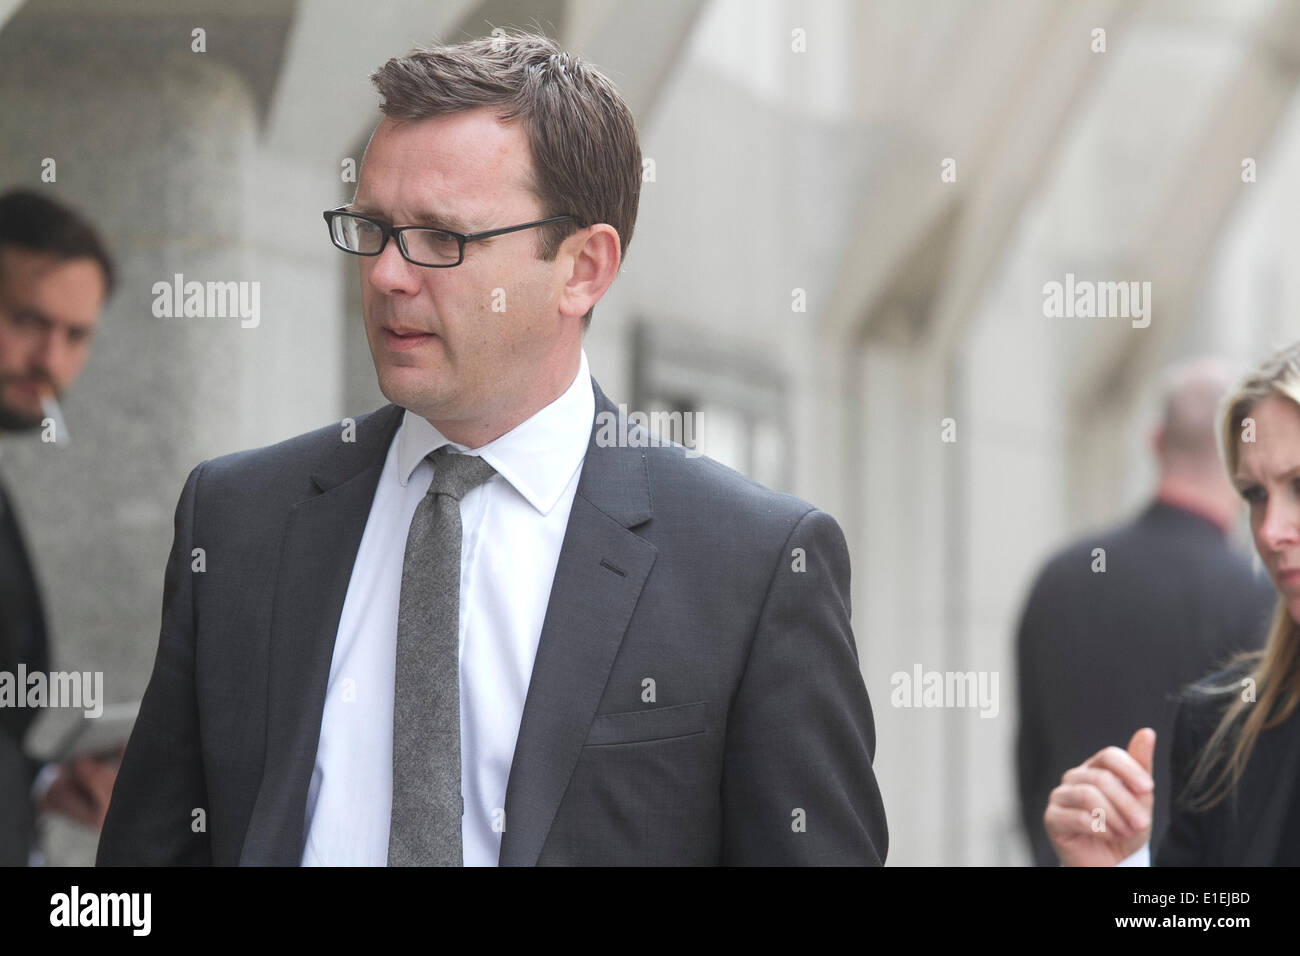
412,391
18,419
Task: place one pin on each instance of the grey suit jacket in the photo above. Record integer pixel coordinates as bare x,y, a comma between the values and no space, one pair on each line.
732,598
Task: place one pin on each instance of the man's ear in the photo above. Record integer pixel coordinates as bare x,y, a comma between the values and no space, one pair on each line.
593,257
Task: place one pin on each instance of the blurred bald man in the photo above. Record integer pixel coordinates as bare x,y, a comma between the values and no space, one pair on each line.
1100,653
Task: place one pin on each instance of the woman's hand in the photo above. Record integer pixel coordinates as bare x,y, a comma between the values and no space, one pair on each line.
1101,812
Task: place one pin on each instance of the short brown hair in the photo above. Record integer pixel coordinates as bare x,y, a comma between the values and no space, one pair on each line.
37,223
586,157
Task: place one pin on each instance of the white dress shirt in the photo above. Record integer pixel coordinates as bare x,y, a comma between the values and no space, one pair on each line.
512,527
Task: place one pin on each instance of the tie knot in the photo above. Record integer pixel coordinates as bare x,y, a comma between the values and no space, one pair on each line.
455,475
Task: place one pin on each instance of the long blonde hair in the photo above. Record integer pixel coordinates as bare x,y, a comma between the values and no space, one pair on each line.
1275,670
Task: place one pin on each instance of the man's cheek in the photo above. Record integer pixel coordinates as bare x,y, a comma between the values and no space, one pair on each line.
65,380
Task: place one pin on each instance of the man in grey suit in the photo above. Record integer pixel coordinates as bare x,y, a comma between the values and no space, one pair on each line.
487,623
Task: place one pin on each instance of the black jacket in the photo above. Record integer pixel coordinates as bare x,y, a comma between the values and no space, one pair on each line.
1101,654
22,641
1247,827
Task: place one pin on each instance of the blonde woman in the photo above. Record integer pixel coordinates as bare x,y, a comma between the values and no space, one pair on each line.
1236,740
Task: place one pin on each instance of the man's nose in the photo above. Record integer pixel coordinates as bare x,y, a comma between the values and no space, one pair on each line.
44,356
390,272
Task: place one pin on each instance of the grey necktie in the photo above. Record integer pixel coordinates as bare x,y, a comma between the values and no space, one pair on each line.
427,803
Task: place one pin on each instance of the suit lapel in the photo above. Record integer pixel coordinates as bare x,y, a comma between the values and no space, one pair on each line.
601,571
320,545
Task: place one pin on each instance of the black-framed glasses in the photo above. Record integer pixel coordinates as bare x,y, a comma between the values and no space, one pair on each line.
419,245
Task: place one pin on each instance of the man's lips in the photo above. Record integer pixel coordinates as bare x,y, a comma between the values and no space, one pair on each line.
29,387
401,338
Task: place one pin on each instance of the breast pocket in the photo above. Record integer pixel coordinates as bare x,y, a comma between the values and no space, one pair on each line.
653,723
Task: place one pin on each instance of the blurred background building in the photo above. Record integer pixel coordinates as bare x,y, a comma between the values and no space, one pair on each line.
850,213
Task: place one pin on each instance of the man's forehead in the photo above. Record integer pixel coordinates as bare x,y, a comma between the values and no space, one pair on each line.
451,166
19,265
77,284
36,263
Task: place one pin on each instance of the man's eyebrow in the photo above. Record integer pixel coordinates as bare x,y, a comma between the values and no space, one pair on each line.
427,218
31,312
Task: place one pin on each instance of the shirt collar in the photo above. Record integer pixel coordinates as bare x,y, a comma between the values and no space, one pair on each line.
537,457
